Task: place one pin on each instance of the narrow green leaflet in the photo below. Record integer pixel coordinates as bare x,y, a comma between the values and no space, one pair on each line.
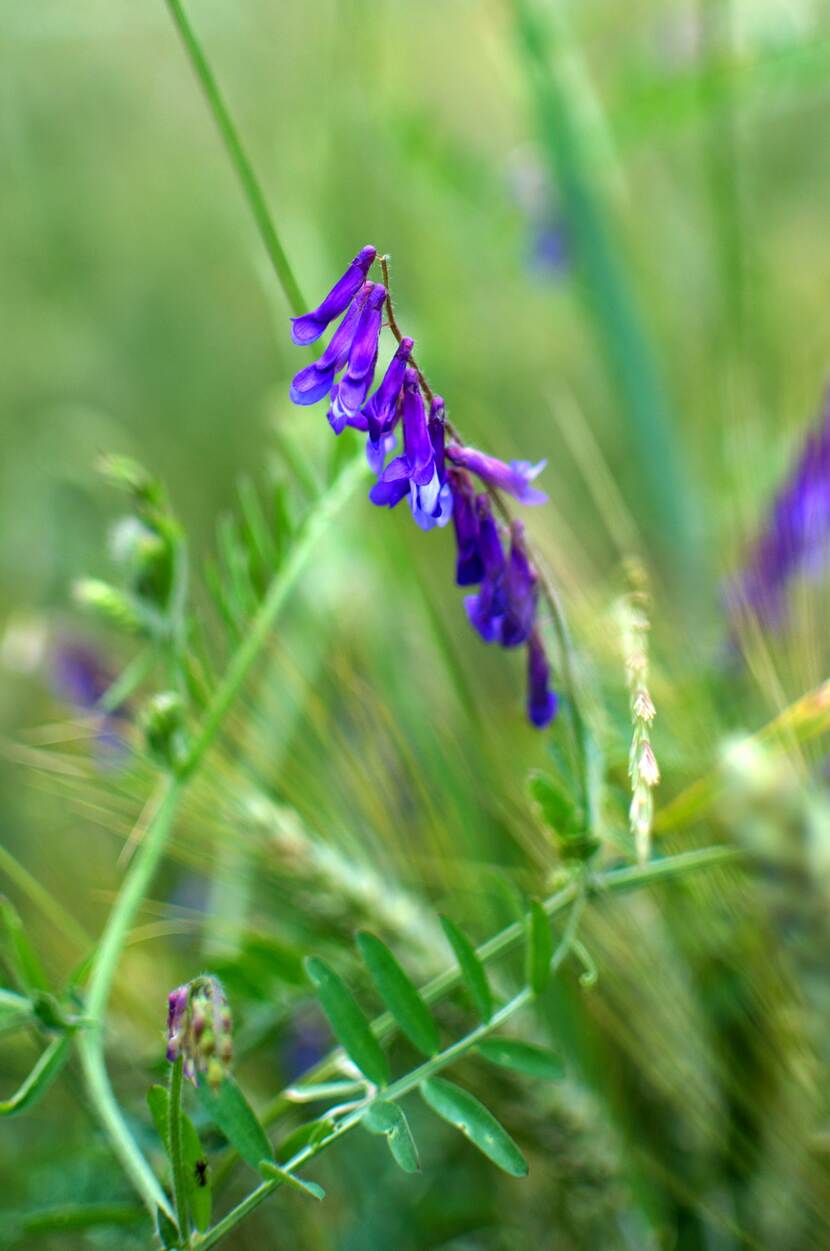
272,1172
305,1136
388,1119
230,1111
399,994
472,969
194,1157
22,957
461,1109
351,1029
40,1078
539,947
522,1057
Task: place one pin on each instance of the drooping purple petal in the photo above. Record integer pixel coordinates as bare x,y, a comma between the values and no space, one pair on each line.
309,327
469,569
381,409
416,440
315,381
393,484
437,435
514,478
486,610
431,505
520,591
541,700
363,354
376,453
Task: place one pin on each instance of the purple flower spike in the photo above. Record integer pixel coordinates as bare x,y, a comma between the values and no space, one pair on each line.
469,569
355,383
486,609
541,700
312,383
309,327
520,591
514,478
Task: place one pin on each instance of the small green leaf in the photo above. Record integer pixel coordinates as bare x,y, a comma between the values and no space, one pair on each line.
539,947
351,1029
194,1157
461,1109
228,1108
399,994
472,969
40,1079
272,1172
167,1232
197,1175
388,1119
24,962
557,809
158,1101
523,1057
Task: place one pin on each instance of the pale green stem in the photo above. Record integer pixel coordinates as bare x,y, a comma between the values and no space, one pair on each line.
145,862
239,159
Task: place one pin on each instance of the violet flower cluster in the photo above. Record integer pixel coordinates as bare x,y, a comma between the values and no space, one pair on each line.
795,537
433,474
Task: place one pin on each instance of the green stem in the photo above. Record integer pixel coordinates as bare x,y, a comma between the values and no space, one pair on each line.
397,1090
145,862
174,1131
239,159
90,1041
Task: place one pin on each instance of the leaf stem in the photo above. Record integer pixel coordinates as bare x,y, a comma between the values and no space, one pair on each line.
248,180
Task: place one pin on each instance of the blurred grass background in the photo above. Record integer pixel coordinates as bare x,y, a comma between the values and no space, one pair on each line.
607,230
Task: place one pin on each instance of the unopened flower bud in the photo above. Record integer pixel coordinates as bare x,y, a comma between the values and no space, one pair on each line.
199,1030
108,603
165,731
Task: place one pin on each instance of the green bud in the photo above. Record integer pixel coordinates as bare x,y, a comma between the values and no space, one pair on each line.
165,730
108,603
144,553
124,472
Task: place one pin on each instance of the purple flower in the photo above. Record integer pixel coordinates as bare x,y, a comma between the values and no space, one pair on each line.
350,393
419,473
487,609
312,383
541,700
381,411
520,591
309,327
177,1002
514,478
469,569
796,538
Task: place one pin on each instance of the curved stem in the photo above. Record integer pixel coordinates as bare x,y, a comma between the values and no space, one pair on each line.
143,867
239,159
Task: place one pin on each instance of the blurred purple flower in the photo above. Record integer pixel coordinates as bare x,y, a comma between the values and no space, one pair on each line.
469,569
514,479
315,381
486,609
420,472
796,537
349,395
309,327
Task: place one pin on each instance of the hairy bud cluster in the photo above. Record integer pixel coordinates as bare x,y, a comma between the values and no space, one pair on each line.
199,1030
